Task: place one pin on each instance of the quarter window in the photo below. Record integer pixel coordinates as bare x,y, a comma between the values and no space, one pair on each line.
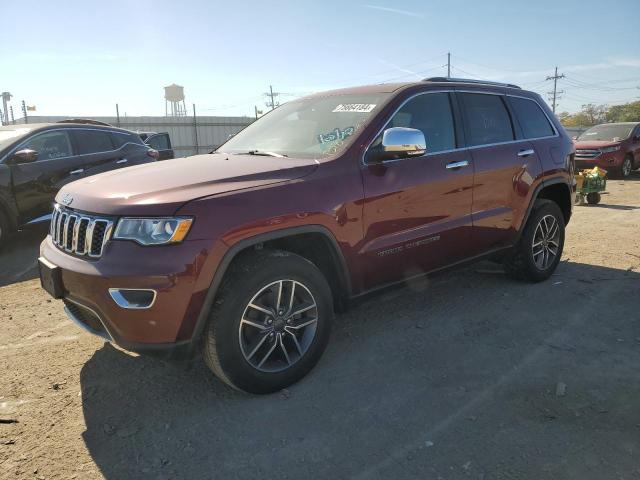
93,141
532,119
159,142
50,145
487,118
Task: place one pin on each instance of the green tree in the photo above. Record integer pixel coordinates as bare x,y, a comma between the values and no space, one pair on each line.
629,112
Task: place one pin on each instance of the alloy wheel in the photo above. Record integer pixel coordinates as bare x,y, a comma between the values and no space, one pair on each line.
626,167
278,326
546,242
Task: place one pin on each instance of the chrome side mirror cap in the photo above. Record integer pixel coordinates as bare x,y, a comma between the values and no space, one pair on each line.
400,142
24,156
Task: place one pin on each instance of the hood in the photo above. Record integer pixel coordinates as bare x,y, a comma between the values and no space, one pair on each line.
160,188
594,144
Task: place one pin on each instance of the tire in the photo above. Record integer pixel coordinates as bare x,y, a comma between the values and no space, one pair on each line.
593,198
522,264
258,350
626,167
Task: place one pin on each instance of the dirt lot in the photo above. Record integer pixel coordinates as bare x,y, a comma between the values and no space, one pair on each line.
468,375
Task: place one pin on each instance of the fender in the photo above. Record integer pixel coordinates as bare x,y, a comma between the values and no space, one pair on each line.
233,251
534,197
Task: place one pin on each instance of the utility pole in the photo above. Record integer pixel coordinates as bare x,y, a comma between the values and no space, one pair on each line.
555,92
117,115
449,65
24,112
13,120
271,94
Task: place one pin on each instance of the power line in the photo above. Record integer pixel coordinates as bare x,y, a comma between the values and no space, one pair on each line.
555,88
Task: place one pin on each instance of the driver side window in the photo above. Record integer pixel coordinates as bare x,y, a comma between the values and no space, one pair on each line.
50,145
431,114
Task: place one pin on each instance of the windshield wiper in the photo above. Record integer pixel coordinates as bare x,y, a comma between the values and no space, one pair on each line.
266,154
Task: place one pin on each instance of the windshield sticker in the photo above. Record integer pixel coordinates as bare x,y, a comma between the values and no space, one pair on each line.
336,134
355,107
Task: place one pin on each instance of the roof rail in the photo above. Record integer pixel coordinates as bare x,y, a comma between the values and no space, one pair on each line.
85,121
470,80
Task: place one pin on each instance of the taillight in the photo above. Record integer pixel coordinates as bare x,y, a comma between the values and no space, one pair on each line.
153,153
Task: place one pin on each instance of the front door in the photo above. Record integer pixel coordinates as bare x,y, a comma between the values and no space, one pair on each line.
36,184
417,211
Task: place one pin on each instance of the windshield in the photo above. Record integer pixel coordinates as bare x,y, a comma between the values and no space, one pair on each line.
10,135
607,133
311,128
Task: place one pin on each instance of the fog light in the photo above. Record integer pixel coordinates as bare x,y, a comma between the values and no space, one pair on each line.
133,298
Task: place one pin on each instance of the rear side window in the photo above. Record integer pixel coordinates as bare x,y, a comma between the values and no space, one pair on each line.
532,119
93,141
487,119
159,142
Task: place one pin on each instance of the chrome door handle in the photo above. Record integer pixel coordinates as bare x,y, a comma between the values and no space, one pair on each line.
76,172
453,165
122,160
526,153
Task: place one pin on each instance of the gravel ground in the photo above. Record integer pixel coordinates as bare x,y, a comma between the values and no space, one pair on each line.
465,375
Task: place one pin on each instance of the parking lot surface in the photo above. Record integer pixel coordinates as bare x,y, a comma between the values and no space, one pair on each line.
465,375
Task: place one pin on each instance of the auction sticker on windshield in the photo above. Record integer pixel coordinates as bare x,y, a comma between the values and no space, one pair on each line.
355,107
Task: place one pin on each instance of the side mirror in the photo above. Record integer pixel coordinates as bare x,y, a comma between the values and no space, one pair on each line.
25,156
400,142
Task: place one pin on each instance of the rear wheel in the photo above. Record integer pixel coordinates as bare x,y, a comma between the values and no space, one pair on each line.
538,251
270,323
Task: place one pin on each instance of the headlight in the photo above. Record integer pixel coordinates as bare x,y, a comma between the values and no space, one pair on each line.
610,149
153,231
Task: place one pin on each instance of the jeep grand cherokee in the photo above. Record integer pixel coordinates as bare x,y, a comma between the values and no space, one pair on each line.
244,255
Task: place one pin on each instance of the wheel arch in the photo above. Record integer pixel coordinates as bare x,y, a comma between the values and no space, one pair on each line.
298,240
556,190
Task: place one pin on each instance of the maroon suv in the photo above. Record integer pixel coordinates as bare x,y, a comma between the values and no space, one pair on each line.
244,255
612,146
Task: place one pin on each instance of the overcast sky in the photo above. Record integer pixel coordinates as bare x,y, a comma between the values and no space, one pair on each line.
81,57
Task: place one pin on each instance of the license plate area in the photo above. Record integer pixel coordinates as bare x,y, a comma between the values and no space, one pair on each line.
50,278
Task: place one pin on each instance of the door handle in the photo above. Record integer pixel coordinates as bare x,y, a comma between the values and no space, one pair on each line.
76,172
526,153
454,165
123,160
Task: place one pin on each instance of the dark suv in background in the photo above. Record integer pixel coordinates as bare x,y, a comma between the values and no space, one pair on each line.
244,254
37,159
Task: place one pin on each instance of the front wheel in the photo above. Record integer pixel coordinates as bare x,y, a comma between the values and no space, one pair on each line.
626,167
593,198
270,323
538,251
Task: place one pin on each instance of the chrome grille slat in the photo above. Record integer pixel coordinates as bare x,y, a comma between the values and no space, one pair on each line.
587,153
79,234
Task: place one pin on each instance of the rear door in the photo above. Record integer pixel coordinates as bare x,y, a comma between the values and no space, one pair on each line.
506,166
96,150
36,184
417,210
162,143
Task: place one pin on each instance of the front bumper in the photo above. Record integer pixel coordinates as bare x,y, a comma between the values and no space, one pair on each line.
604,160
166,328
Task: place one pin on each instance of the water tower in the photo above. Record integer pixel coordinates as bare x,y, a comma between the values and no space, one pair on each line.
174,101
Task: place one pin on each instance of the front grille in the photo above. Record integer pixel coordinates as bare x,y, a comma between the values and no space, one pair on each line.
79,233
587,153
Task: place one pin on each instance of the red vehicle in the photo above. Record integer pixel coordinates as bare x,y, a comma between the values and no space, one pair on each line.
244,255
612,146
